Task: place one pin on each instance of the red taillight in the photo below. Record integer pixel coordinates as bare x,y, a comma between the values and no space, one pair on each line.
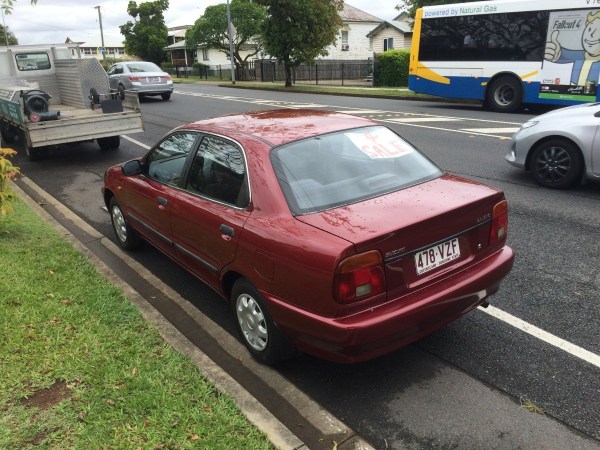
499,226
166,77
134,78
359,277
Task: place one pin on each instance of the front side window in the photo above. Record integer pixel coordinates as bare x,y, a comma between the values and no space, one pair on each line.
218,171
165,162
32,61
338,169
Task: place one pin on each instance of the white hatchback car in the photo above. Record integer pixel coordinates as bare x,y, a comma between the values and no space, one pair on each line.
560,148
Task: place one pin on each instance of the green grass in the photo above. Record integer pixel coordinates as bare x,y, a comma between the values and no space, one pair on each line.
314,88
80,367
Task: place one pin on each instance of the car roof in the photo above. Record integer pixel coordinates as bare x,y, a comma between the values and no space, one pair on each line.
281,126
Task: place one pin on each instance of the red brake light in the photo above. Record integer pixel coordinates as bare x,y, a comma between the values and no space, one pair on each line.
133,78
166,77
499,226
359,277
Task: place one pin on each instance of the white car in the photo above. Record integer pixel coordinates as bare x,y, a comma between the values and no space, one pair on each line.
143,77
560,148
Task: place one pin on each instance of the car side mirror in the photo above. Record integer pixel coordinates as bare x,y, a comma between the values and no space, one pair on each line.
130,168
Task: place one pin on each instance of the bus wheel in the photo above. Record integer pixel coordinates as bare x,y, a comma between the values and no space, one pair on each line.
505,94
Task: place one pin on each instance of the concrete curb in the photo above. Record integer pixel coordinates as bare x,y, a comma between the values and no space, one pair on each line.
281,436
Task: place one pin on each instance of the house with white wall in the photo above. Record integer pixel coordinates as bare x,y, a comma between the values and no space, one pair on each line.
390,35
352,42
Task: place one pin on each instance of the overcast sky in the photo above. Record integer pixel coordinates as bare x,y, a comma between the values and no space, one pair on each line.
52,21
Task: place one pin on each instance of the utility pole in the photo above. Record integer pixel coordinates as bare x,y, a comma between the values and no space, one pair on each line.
230,34
101,32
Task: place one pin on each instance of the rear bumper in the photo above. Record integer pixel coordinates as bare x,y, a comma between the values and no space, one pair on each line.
398,322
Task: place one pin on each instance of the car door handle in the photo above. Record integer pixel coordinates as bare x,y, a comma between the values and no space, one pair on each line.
161,201
226,230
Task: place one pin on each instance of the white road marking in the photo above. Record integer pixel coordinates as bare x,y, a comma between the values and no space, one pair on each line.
424,119
555,341
492,130
406,119
147,147
359,111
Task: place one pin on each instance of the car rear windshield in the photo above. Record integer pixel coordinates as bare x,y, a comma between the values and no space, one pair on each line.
337,169
143,67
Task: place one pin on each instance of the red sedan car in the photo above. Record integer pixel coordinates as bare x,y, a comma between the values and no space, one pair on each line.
328,233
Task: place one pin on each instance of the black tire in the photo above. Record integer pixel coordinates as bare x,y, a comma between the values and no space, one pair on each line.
32,153
35,103
556,164
109,143
9,133
166,96
121,90
257,330
127,237
94,96
505,94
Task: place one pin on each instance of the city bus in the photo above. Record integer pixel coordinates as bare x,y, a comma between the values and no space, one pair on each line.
508,53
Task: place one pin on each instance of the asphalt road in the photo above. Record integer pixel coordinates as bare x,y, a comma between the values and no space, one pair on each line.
468,385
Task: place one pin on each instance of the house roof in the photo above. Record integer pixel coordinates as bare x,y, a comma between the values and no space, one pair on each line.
352,14
176,46
401,27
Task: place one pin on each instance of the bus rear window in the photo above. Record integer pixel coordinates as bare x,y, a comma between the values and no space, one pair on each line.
32,61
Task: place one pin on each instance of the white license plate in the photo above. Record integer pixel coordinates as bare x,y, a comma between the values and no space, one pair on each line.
153,79
436,256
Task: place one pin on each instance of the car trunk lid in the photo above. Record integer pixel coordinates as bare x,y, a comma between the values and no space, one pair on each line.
422,232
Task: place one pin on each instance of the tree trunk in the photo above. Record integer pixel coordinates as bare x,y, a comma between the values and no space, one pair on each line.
288,74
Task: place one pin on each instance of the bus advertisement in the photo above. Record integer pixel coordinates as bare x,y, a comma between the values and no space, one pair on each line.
508,53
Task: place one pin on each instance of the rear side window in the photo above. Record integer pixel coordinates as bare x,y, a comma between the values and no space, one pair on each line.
341,168
218,172
32,61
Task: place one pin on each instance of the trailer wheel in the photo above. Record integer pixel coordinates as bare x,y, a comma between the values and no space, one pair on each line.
109,143
9,133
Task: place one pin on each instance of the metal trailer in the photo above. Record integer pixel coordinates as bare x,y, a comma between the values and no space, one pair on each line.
49,96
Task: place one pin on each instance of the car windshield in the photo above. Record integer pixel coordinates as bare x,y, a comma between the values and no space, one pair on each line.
341,168
143,67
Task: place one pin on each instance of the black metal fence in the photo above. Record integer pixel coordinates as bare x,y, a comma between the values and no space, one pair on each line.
345,73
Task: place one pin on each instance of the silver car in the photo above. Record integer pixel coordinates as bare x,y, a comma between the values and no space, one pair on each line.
560,148
144,77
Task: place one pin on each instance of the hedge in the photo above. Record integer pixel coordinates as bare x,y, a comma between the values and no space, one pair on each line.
391,68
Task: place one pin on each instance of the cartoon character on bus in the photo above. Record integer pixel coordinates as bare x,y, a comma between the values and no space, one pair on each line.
586,61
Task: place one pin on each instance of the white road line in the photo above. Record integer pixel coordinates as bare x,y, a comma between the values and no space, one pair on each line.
359,111
424,119
555,341
147,147
492,130
440,129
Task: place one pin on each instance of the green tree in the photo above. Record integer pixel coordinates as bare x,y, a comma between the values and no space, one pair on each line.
7,35
147,35
210,30
7,5
297,31
412,5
